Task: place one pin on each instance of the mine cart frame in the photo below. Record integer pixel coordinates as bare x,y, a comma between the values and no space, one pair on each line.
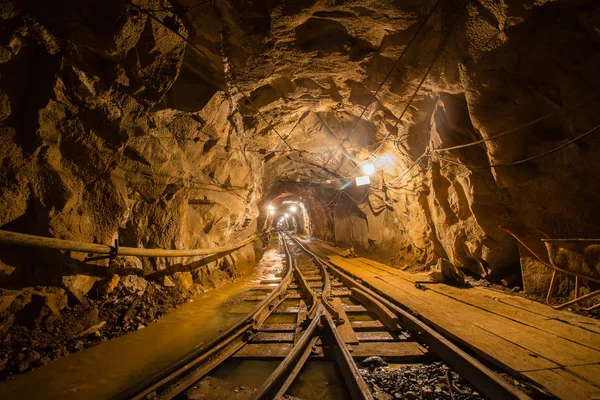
550,263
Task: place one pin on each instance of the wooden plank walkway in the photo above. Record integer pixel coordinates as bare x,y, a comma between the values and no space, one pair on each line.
558,350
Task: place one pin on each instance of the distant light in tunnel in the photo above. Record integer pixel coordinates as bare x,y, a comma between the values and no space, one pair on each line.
270,208
286,215
293,209
271,212
368,169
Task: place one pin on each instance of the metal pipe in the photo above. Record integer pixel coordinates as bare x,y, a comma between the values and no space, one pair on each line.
22,239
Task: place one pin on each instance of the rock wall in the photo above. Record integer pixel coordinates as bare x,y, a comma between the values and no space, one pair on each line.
90,154
95,146
503,66
174,124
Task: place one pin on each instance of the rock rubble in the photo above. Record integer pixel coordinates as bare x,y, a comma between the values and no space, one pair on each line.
40,325
429,381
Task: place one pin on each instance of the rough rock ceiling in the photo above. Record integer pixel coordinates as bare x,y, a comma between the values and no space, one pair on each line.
142,118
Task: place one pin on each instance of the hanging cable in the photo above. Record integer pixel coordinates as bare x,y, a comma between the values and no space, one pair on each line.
383,82
269,124
400,177
410,100
520,161
188,9
495,137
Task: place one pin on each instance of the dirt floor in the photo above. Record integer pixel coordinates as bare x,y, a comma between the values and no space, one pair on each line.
48,325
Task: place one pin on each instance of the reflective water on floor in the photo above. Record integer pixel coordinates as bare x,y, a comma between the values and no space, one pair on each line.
106,369
249,373
319,380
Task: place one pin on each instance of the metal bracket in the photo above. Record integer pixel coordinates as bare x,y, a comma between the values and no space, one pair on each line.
114,253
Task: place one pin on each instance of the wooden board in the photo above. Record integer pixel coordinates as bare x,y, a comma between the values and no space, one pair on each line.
367,325
590,373
278,327
557,349
273,337
264,350
345,330
374,336
564,385
491,302
352,308
544,344
396,350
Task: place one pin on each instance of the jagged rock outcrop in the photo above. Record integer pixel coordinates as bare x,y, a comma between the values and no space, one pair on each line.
174,124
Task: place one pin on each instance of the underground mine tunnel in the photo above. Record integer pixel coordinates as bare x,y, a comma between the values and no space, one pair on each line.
300,199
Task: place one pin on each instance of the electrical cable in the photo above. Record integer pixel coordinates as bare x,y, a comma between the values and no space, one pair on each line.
523,160
269,124
188,9
410,100
400,177
495,137
431,64
404,51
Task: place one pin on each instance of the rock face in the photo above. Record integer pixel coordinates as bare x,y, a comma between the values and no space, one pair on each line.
90,155
506,69
174,125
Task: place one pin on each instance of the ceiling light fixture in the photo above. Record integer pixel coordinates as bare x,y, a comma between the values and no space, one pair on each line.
368,169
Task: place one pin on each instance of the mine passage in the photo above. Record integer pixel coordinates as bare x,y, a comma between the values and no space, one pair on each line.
245,199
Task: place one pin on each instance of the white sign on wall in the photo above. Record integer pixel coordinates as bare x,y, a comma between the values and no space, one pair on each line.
363,180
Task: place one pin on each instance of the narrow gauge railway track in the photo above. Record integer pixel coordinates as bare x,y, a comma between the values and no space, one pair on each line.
315,312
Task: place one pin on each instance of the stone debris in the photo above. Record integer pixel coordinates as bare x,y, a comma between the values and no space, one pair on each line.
78,285
429,381
133,284
373,362
108,285
165,281
446,272
38,326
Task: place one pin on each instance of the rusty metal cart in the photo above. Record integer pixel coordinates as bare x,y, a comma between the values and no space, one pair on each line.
579,258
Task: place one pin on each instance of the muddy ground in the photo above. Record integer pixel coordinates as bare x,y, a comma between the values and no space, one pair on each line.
42,324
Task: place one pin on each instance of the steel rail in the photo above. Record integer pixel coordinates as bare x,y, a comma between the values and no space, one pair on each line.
283,376
314,306
357,386
326,286
484,379
176,378
280,380
190,369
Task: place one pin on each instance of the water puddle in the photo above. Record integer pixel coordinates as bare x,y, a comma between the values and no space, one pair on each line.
361,316
108,368
350,301
319,380
249,373
281,318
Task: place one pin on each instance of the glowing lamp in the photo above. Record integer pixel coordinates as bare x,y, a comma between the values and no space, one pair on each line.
293,209
368,169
